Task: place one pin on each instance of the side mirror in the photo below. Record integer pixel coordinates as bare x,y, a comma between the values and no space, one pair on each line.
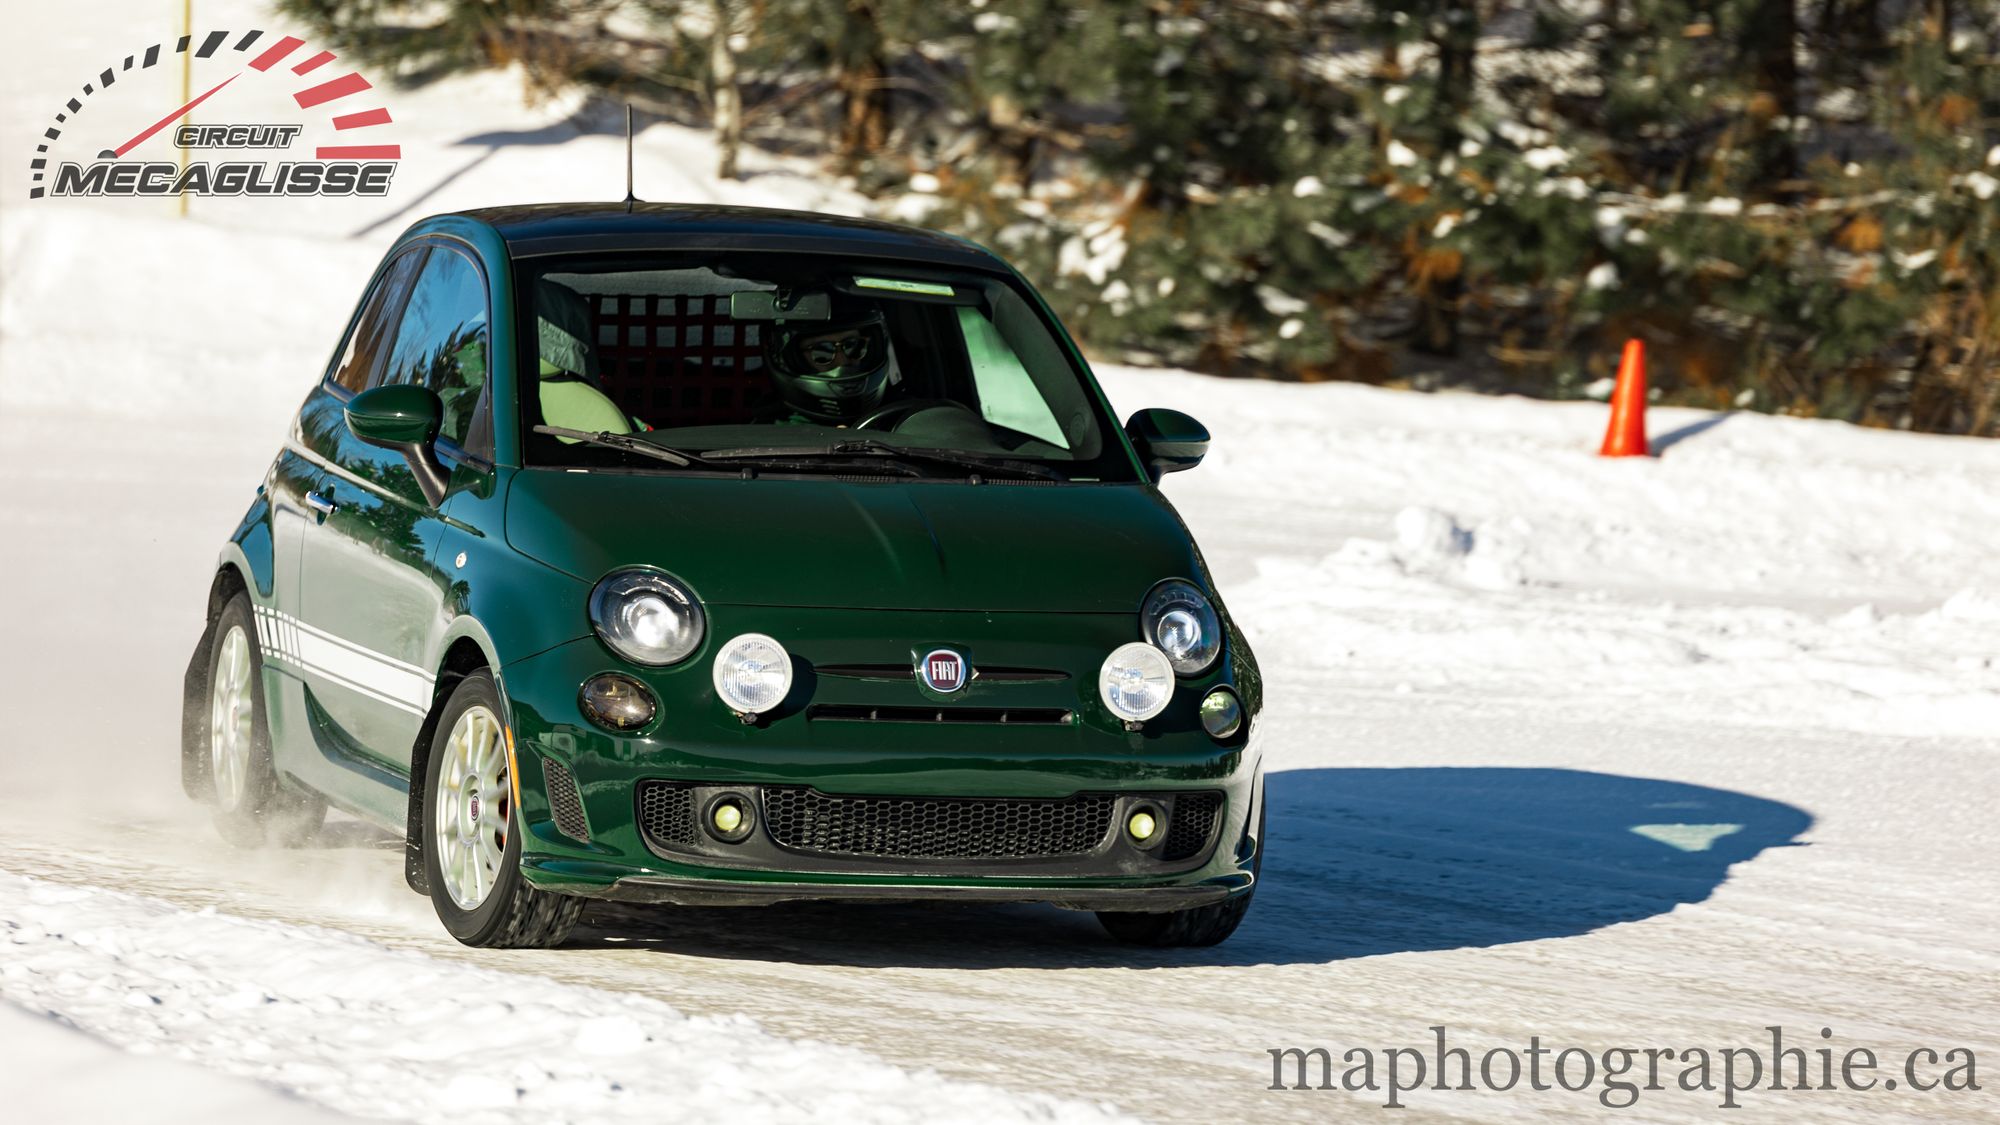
1167,440
403,418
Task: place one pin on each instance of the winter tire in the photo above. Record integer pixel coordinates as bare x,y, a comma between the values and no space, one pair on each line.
471,832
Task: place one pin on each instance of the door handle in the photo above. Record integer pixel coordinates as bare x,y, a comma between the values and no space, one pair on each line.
321,504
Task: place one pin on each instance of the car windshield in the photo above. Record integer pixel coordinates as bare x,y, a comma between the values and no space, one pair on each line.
800,363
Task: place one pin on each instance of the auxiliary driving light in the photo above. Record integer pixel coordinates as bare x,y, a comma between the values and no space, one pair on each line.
1143,826
753,673
728,819
1136,681
1221,714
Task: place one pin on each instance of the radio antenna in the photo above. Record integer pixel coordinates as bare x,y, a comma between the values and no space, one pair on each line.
630,198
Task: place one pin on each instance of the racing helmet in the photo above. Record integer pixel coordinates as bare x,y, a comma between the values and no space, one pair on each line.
831,371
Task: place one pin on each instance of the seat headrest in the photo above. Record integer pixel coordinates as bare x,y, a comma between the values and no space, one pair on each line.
562,330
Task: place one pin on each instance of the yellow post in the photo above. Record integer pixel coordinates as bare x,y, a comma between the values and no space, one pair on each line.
187,65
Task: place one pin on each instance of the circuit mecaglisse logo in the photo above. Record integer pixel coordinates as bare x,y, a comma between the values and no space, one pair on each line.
349,154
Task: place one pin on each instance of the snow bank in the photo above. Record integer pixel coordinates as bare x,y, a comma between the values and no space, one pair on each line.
385,1033
1473,550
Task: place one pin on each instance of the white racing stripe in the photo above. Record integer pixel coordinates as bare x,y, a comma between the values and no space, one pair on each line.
339,661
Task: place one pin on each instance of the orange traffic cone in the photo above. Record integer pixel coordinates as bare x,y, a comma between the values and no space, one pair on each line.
1626,436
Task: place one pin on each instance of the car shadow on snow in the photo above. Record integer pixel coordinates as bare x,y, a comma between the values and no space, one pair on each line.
1361,862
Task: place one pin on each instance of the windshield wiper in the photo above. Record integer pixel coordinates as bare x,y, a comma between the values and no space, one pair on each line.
624,442
868,447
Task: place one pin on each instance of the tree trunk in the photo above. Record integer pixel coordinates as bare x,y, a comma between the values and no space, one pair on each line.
1016,143
864,88
1768,45
728,97
1457,46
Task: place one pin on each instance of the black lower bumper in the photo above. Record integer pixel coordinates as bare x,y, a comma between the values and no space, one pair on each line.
706,892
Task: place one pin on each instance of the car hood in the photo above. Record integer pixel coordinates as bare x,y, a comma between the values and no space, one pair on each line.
828,543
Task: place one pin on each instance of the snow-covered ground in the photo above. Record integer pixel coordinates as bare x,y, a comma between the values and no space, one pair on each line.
1632,753
55,1073
385,1033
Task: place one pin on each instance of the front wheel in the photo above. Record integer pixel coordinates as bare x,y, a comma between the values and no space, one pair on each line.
471,832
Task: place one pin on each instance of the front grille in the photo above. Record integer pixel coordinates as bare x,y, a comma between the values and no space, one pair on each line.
1191,825
565,803
1010,716
995,674
666,812
934,827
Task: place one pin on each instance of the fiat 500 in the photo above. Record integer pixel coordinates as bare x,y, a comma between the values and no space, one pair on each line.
719,556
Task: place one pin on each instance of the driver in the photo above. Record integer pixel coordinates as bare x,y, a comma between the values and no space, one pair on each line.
832,372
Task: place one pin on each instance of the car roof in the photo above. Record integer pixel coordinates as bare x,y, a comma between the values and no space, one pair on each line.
568,228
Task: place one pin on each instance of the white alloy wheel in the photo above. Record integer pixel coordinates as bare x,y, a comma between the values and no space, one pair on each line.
474,806
229,733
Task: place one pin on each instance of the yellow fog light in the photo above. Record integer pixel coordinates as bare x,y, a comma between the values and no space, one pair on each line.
729,818
1143,826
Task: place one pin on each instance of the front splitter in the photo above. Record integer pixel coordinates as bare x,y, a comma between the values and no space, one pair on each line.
704,892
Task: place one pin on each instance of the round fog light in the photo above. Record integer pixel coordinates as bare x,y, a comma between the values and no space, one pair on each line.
728,819
1143,826
1221,714
617,702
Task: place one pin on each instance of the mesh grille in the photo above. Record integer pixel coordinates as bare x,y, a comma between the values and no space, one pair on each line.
565,804
1191,825
936,828
666,812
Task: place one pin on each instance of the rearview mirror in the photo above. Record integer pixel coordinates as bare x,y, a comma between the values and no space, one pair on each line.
403,418
769,304
1167,441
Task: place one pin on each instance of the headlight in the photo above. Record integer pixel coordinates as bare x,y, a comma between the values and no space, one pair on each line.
1136,681
753,673
1178,619
646,617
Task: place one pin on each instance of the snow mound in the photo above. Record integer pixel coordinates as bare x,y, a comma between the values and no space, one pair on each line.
1974,606
1429,541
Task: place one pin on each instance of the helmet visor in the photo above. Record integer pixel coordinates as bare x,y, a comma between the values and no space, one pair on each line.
847,347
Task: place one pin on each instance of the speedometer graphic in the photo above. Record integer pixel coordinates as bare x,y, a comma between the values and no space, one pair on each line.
271,97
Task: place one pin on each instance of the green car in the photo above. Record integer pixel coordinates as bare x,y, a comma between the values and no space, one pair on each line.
720,556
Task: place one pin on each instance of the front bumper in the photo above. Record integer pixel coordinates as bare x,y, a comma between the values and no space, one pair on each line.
879,810
709,892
